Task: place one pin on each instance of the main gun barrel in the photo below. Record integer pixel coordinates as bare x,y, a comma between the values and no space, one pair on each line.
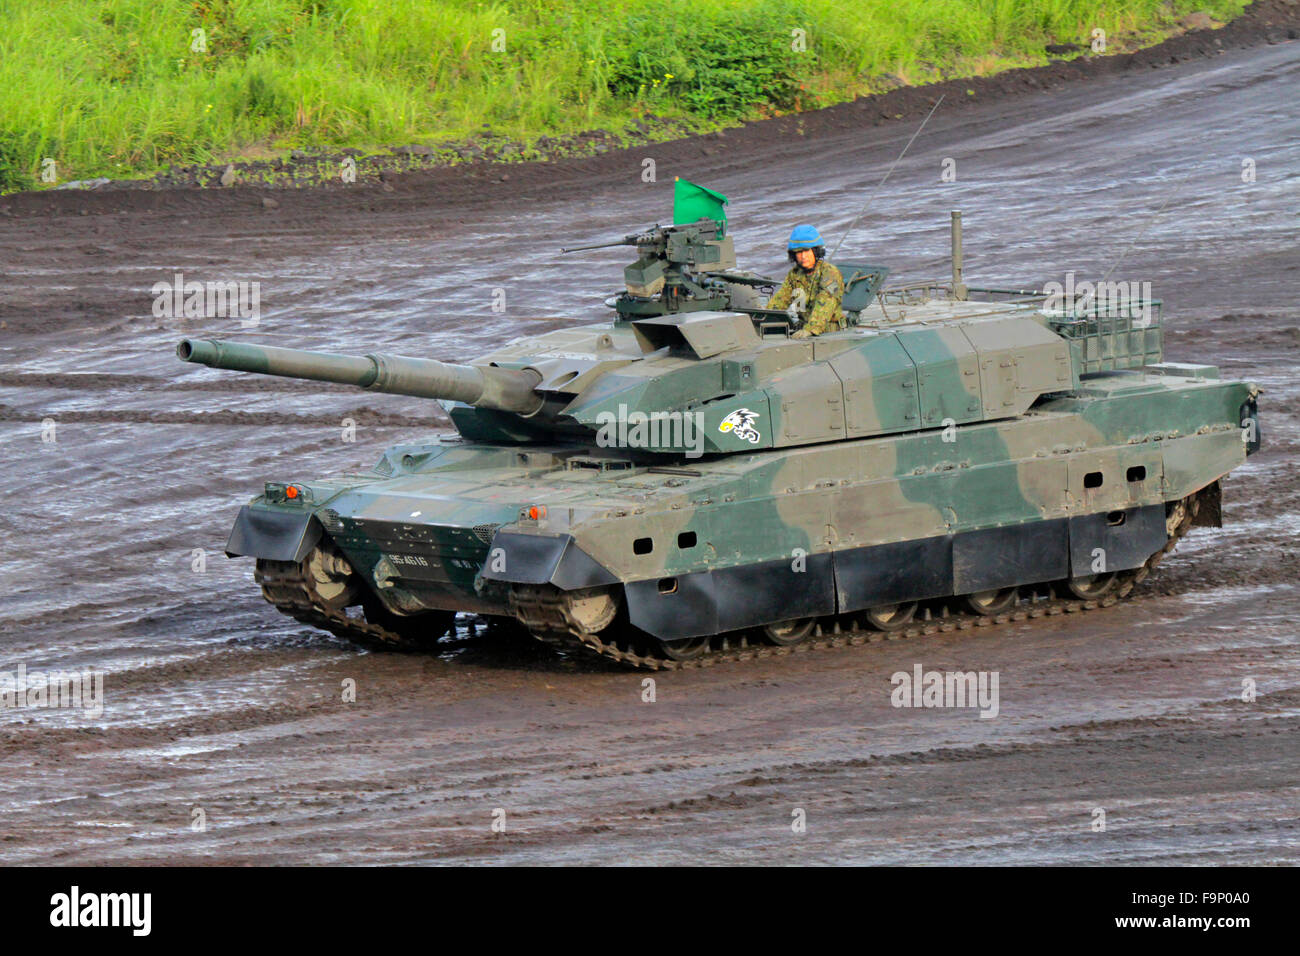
509,390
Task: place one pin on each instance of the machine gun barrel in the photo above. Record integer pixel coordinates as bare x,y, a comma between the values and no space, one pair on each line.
509,390
625,241
660,234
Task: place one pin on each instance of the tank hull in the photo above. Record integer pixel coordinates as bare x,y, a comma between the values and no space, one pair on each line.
1082,485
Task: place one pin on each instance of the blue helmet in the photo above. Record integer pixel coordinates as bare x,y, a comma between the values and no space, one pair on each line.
804,237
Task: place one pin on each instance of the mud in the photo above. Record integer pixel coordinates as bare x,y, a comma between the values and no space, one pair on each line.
217,704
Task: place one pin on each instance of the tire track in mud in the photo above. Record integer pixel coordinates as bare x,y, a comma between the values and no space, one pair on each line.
217,702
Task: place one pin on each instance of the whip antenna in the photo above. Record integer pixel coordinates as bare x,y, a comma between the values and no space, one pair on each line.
1178,188
831,255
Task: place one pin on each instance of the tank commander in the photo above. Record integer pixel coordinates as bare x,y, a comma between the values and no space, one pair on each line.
813,287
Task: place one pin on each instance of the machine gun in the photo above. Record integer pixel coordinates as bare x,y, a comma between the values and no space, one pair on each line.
681,268
692,268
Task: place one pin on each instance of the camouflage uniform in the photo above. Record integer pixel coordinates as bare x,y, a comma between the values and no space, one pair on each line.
822,315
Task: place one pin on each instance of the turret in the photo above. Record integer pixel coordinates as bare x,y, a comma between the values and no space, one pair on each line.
670,375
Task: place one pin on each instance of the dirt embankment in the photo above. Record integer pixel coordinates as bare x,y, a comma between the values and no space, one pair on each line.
482,170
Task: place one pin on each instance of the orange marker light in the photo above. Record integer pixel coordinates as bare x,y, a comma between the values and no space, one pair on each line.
291,492
533,512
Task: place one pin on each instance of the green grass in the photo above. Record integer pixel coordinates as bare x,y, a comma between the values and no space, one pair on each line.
112,88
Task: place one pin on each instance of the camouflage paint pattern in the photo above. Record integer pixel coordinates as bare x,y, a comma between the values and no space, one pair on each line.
960,419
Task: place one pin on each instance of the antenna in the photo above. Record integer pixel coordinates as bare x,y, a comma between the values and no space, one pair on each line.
831,255
886,176
958,286
1132,242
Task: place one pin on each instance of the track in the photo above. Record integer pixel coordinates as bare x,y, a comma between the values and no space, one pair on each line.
289,587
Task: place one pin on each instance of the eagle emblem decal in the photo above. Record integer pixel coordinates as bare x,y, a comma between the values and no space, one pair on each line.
741,424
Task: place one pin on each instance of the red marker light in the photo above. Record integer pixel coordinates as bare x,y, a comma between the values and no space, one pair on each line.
291,492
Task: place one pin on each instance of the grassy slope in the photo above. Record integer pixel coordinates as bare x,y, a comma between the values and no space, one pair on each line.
112,87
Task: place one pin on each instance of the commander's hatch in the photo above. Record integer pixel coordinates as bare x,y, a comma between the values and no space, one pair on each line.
698,335
861,283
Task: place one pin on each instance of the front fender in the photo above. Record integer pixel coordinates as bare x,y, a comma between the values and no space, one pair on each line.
517,558
274,535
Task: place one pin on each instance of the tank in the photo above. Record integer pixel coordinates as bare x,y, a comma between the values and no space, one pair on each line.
683,481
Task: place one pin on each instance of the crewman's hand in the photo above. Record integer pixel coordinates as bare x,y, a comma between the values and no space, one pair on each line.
802,334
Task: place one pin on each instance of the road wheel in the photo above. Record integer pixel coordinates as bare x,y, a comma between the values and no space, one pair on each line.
991,602
1089,587
891,617
331,577
686,650
788,633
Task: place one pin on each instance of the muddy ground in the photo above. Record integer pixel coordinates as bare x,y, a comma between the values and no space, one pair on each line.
217,704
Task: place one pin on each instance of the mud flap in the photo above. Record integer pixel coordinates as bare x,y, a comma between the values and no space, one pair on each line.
515,558
273,535
1210,512
1008,556
774,591
712,602
893,573
1122,539
1248,417
674,607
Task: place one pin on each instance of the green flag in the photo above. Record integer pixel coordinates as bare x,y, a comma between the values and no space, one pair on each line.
692,202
